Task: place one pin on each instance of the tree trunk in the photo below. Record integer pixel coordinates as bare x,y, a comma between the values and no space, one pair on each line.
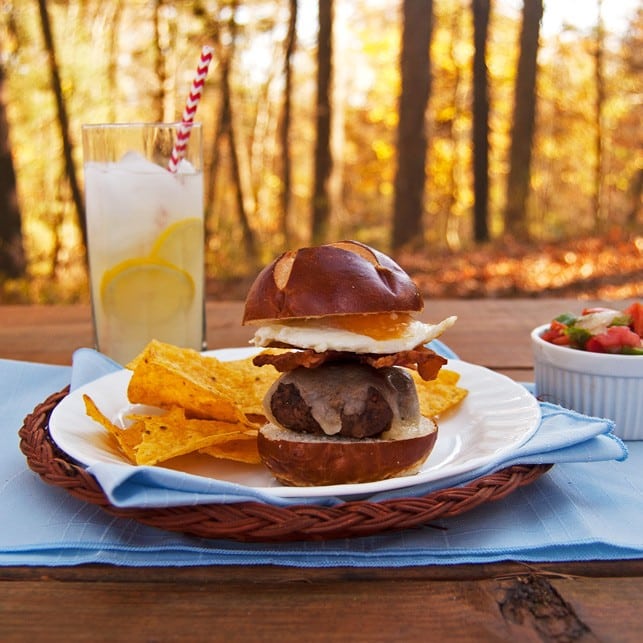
323,160
212,28
449,231
523,121
248,235
161,45
285,124
63,120
634,216
481,10
410,178
12,254
112,66
210,188
227,128
599,209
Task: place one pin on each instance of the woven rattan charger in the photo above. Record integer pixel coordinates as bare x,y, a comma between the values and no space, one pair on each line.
259,522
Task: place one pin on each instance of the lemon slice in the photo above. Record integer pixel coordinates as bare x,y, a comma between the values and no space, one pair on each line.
181,243
142,290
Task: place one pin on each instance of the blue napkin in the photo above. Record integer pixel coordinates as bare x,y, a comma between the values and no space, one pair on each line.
563,436
578,511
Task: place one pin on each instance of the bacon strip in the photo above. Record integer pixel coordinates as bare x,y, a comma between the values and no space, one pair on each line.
427,362
421,358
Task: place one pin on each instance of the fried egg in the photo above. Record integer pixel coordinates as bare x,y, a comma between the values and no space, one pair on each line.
379,333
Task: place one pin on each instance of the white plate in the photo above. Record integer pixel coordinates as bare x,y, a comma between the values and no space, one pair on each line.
496,418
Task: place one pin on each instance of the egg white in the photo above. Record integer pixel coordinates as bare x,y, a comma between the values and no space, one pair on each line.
324,338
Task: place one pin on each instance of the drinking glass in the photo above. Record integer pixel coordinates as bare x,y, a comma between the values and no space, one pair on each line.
145,237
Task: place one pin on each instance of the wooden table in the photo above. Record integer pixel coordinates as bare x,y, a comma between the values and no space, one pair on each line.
582,601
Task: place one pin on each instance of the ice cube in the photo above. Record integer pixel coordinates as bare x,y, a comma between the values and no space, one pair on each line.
185,167
122,206
131,201
136,162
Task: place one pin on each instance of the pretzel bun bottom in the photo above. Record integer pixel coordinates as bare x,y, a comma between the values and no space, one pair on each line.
304,460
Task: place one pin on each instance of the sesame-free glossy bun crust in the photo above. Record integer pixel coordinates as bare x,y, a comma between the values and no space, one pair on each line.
301,460
347,277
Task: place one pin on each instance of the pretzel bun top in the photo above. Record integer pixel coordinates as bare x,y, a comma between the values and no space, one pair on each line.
343,278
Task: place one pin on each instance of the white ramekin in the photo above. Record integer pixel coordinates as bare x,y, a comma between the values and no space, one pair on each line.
597,384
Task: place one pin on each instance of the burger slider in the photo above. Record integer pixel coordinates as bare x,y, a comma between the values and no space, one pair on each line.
343,411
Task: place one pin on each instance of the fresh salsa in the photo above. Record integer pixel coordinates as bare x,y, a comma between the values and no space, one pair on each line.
600,330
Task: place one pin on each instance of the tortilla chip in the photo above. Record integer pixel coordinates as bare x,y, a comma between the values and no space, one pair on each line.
168,376
172,434
439,395
250,384
127,438
240,450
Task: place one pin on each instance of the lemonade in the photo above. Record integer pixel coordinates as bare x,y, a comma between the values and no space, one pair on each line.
145,242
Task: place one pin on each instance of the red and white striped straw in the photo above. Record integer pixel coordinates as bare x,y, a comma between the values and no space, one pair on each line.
191,104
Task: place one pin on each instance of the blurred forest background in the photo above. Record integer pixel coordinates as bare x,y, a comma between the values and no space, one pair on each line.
492,150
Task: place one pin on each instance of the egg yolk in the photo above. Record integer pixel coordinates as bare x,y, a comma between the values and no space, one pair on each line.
379,326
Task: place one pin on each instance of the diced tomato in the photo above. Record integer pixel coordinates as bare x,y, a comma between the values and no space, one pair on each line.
556,333
635,311
600,330
550,335
594,346
613,340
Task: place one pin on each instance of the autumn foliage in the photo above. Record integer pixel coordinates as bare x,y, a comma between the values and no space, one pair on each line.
592,267
604,267
119,61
